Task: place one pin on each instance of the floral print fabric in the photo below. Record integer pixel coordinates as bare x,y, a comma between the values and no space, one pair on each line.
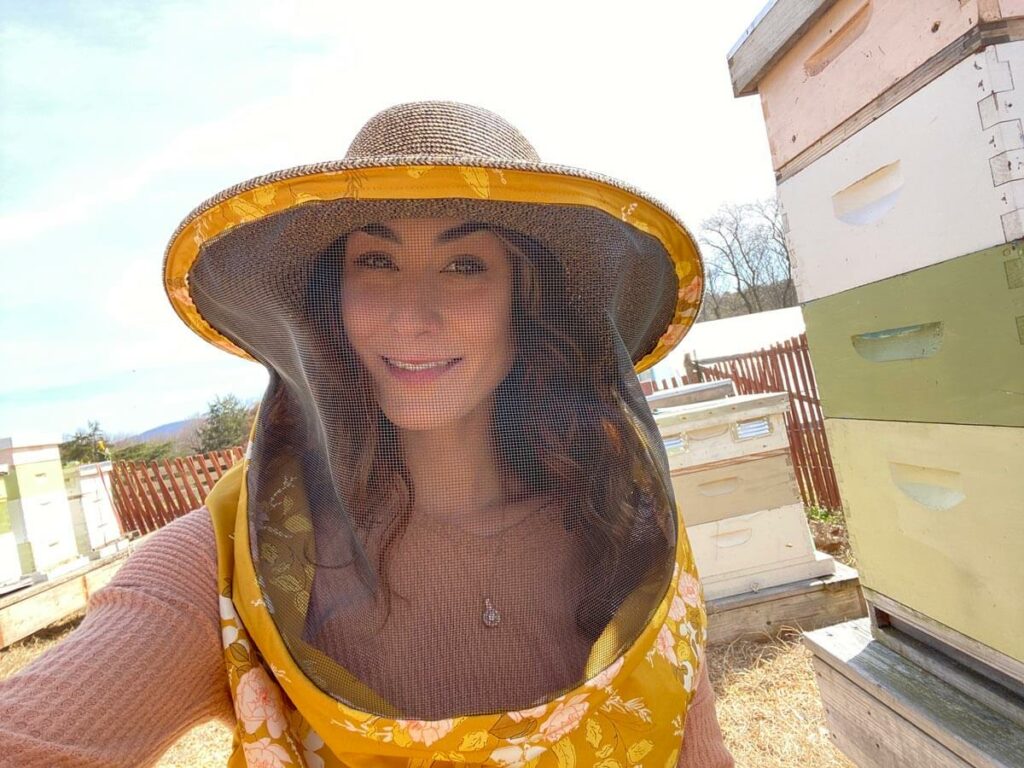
630,714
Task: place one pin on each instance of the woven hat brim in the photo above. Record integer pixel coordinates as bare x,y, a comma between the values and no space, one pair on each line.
424,178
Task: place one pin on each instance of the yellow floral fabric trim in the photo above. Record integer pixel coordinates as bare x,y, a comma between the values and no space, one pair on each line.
433,181
631,713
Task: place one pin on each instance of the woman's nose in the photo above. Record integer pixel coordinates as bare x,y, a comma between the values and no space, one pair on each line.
415,307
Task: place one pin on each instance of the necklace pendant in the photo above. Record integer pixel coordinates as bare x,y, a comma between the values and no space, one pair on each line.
491,617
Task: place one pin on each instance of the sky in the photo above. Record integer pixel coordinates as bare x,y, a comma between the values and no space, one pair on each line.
117,118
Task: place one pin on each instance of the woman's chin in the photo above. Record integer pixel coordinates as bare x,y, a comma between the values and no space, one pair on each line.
421,418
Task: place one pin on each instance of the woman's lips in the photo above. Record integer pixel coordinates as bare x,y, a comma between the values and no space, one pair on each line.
419,371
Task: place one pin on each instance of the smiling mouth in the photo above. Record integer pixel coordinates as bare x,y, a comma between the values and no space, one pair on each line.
420,366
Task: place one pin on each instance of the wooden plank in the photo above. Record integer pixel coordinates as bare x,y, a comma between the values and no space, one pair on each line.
939,344
184,479
211,481
160,516
149,517
988,657
974,733
200,492
872,734
942,500
801,605
177,488
868,209
814,421
32,609
170,502
134,508
948,664
780,24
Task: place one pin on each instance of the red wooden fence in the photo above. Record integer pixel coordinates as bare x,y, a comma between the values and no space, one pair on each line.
784,367
149,494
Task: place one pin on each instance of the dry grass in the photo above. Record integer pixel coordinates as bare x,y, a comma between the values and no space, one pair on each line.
23,653
768,706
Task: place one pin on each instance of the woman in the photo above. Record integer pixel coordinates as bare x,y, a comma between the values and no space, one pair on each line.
453,539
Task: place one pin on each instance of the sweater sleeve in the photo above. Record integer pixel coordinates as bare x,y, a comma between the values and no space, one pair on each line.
144,667
703,746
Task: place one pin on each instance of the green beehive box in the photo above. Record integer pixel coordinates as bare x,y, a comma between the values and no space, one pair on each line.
942,344
936,520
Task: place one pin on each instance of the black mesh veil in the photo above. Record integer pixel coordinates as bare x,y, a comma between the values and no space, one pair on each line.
456,485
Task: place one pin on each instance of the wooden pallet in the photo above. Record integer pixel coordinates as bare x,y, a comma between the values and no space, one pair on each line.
885,711
801,605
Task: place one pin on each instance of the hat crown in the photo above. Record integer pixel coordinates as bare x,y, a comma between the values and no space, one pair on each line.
440,128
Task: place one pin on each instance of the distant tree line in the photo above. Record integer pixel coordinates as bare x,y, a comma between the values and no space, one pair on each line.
747,260
225,424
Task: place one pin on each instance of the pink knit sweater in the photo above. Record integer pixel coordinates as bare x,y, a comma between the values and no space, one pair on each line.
146,666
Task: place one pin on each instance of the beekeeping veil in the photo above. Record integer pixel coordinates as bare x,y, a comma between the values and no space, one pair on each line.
496,590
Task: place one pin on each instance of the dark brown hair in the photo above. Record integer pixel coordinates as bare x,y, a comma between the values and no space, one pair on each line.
564,425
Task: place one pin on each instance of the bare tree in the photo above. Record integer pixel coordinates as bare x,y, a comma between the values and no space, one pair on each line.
747,259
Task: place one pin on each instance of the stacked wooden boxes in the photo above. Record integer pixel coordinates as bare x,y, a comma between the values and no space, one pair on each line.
733,479
37,514
897,135
90,496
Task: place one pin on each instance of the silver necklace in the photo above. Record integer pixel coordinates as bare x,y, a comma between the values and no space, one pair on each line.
490,615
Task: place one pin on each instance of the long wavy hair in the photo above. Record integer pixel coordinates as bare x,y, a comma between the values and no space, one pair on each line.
562,425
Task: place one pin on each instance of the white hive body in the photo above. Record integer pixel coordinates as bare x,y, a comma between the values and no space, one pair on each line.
938,176
92,509
734,484
38,515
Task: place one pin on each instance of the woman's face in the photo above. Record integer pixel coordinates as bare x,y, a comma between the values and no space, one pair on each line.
426,305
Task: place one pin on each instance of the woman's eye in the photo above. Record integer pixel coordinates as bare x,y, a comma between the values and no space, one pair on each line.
375,260
466,265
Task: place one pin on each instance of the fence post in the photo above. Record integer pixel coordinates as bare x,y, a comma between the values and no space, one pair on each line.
692,369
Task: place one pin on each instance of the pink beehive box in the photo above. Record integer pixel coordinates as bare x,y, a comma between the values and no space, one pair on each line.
817,64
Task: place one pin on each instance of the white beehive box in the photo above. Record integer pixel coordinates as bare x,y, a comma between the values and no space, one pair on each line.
92,509
721,430
740,487
937,176
37,506
752,552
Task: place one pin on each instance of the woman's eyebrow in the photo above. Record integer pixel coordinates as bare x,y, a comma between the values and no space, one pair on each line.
462,230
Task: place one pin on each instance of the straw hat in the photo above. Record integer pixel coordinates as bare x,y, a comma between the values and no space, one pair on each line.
624,253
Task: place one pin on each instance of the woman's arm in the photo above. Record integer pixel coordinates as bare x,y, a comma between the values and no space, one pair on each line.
144,667
703,746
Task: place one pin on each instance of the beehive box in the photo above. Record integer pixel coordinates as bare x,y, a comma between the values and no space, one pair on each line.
817,65
737,488
92,508
938,176
941,344
721,430
751,552
37,506
936,519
